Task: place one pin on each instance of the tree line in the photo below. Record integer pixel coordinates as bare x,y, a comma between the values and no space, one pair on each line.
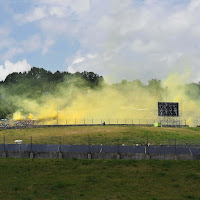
38,82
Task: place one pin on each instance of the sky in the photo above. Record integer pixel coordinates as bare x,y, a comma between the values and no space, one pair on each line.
129,39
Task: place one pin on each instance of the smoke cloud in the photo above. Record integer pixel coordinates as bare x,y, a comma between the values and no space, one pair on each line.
127,102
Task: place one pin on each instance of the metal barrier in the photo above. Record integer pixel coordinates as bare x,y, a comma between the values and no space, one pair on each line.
99,144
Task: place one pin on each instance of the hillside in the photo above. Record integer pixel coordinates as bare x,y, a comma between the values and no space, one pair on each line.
103,135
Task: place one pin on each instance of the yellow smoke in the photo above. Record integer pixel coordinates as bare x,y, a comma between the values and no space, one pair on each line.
113,104
30,116
176,92
17,116
93,106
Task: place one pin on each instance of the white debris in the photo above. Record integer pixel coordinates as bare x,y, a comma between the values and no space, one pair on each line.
18,141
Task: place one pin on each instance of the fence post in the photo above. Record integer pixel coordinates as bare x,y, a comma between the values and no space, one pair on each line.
118,151
31,144
31,153
4,142
89,156
175,145
60,143
117,145
89,143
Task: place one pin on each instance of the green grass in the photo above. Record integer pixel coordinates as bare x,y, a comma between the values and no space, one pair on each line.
28,179
98,179
103,135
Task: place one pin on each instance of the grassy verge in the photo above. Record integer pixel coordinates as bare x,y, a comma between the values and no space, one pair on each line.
98,179
103,135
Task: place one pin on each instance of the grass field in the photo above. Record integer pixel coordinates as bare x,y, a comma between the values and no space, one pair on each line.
98,179
103,135
28,179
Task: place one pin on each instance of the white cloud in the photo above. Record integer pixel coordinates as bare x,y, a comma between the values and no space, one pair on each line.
9,67
78,60
47,44
54,27
6,42
51,8
33,43
4,31
130,39
11,48
37,13
11,52
82,63
144,40
194,5
139,46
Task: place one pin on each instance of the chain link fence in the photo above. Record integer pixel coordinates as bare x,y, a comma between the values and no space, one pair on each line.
90,121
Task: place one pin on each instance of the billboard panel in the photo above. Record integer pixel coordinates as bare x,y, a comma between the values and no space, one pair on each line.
168,109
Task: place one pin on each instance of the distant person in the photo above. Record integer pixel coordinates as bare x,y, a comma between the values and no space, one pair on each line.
103,123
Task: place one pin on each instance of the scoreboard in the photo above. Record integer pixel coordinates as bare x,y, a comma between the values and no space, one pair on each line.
168,109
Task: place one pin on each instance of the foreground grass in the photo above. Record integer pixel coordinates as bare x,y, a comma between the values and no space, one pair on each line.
102,135
98,179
